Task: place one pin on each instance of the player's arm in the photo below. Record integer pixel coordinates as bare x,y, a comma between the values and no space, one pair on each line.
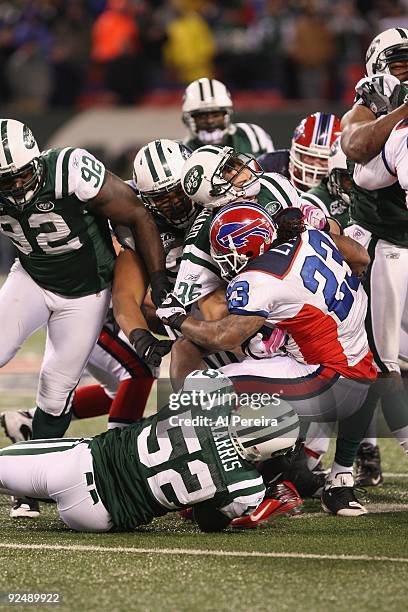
117,201
354,253
128,292
214,306
363,136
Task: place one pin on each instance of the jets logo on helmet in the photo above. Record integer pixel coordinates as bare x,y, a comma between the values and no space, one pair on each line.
193,179
237,233
28,138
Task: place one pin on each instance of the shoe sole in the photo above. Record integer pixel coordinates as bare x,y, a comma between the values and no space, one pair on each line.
372,482
21,513
345,512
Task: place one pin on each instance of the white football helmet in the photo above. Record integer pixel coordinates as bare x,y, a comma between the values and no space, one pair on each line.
339,181
388,47
259,432
157,176
205,96
212,176
21,168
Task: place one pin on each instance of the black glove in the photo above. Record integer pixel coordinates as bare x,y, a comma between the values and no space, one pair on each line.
160,286
148,348
172,312
380,93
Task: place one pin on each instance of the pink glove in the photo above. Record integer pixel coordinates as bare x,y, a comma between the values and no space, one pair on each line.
313,215
258,348
276,340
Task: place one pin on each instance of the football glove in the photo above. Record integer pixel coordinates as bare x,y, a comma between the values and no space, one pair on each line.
172,312
259,347
148,348
313,216
160,285
380,93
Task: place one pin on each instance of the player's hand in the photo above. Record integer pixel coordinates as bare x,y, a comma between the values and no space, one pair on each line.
160,286
148,348
380,93
313,216
259,347
172,312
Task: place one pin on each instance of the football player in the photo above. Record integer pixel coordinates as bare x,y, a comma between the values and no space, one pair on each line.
207,113
379,212
185,455
275,281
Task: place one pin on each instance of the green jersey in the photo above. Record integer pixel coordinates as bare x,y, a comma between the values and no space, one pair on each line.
332,206
62,245
383,212
243,137
172,460
199,275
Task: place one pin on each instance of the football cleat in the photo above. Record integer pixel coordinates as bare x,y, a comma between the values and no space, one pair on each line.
18,425
368,466
338,497
24,507
281,498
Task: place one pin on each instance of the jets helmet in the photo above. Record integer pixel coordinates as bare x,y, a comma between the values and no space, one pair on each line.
258,430
388,47
214,176
339,180
240,232
206,96
313,137
21,168
157,176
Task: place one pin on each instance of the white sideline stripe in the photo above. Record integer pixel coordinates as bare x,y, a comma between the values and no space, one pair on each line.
372,509
199,552
395,474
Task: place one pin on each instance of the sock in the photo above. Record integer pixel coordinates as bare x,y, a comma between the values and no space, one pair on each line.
313,458
401,435
130,401
49,426
90,401
337,468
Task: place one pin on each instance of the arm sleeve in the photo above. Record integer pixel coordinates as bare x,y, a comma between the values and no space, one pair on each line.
125,237
246,295
209,518
85,173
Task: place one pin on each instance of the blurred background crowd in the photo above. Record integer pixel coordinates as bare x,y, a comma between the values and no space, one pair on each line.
80,53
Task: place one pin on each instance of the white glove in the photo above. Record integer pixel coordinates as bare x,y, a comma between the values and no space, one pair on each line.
259,348
172,312
380,93
313,215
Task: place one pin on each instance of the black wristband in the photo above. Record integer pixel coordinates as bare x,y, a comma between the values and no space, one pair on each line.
160,286
176,321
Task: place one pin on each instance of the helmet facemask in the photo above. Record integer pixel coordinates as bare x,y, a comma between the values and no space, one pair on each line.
227,182
31,178
230,264
210,131
172,204
339,184
391,55
306,175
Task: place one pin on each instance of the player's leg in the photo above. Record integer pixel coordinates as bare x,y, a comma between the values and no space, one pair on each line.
60,470
23,310
72,331
317,442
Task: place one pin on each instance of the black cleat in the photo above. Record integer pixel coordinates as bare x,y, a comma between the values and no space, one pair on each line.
368,465
338,497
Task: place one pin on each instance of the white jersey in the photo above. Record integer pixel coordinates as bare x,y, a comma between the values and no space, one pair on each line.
388,167
305,287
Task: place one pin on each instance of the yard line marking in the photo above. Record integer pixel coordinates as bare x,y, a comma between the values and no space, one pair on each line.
198,552
395,474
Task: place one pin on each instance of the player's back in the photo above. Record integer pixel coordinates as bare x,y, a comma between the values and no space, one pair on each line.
172,460
306,287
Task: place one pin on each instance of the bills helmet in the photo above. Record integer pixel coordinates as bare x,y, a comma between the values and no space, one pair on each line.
339,180
313,137
205,96
239,232
388,47
157,176
214,176
21,167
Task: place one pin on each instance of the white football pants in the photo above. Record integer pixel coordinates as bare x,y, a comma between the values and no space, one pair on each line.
61,470
73,326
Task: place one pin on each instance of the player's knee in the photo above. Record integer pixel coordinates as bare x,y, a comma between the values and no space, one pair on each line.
389,382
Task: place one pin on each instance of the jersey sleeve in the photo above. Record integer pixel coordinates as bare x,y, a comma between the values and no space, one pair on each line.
246,497
246,295
78,172
314,200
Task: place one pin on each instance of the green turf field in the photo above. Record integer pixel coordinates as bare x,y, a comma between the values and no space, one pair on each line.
306,562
